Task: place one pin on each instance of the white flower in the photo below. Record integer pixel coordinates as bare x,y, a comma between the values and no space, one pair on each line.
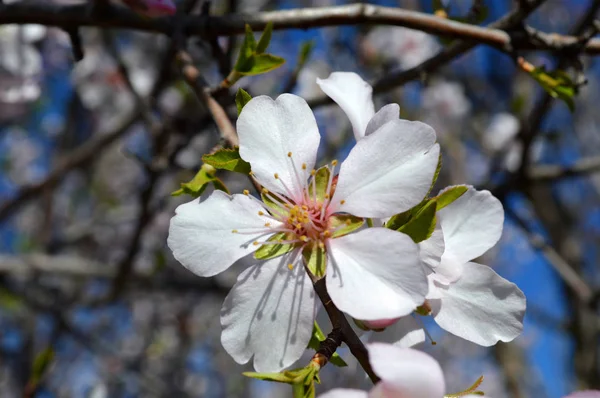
446,100
404,372
465,298
372,273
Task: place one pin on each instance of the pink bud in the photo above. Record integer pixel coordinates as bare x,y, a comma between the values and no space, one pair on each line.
152,8
380,323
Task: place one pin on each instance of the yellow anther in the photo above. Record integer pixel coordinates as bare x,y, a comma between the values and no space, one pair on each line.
250,173
327,234
291,266
246,192
303,166
313,172
342,202
303,238
298,226
289,154
264,191
334,163
255,243
305,207
267,224
276,176
348,222
234,231
326,196
260,213
287,205
321,245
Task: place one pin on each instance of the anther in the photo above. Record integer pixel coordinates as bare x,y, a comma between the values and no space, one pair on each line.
267,224
234,231
291,266
327,234
246,192
298,226
264,190
305,207
289,154
313,172
303,166
342,202
255,243
276,176
303,238
334,163
260,213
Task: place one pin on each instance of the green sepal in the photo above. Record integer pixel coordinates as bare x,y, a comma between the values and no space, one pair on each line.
436,174
196,186
315,259
352,223
557,83
321,180
266,252
315,342
261,63
421,226
227,159
265,39
302,380
241,99
449,195
276,206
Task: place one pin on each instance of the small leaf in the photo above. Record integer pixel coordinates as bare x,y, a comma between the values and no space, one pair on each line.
261,63
198,184
241,99
40,364
277,377
266,252
421,226
557,83
246,51
343,224
265,39
305,52
449,195
315,259
315,342
319,183
227,159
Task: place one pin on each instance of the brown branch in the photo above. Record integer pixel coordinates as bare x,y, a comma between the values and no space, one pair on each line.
339,321
582,167
70,16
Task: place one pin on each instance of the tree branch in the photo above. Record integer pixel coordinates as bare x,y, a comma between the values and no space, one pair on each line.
583,166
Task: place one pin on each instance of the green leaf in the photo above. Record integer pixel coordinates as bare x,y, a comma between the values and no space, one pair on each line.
449,195
305,52
277,377
246,51
321,180
266,252
315,259
198,184
343,224
315,342
261,63
40,364
265,39
241,99
227,159
421,226
557,83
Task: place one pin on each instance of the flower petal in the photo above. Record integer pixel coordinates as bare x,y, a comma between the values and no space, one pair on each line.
585,394
405,372
386,114
269,130
201,233
375,274
269,313
353,95
387,172
471,225
405,333
344,393
481,307
431,250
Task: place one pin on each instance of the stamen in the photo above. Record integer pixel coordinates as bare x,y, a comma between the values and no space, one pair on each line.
328,190
291,266
303,166
419,320
234,231
246,192
342,202
289,154
299,179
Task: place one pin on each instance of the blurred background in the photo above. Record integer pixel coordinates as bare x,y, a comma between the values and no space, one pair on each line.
92,303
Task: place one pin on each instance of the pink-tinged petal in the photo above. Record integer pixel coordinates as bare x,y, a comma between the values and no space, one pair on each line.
585,394
431,250
269,130
344,393
269,314
387,172
481,307
471,225
353,95
201,237
380,323
405,333
152,8
375,274
386,114
405,372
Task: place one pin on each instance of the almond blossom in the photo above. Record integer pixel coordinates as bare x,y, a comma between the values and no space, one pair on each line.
309,217
404,373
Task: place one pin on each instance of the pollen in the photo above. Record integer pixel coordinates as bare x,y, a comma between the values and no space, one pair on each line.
246,192
234,231
255,243
298,226
267,224
342,202
276,176
304,207
303,238
303,166
289,154
260,213
291,266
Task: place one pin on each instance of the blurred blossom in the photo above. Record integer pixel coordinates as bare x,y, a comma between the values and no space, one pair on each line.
447,100
405,46
503,128
20,161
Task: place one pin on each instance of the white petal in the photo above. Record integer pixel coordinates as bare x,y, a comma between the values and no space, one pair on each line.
585,394
471,225
405,333
353,95
431,250
481,307
269,313
375,274
201,237
406,372
387,172
271,129
386,114
344,393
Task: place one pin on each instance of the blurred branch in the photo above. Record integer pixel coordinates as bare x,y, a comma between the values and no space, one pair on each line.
584,166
